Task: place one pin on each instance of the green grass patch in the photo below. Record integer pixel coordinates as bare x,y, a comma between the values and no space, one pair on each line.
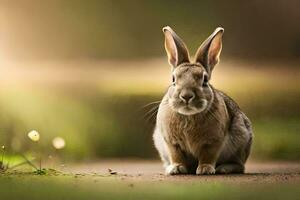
277,139
97,187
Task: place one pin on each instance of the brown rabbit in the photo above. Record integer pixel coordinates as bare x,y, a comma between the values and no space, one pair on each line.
199,129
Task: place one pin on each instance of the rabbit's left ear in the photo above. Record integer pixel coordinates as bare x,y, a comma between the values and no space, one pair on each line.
209,52
176,49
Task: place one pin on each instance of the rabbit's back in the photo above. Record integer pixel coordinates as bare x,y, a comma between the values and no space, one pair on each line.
239,135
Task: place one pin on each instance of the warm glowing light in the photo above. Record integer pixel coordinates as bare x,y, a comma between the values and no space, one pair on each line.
58,143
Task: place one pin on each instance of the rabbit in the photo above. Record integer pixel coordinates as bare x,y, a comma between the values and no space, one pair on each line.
199,129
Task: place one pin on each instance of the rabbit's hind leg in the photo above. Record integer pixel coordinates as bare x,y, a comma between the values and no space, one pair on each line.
161,147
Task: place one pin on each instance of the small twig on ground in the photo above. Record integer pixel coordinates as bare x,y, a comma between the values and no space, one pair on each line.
110,171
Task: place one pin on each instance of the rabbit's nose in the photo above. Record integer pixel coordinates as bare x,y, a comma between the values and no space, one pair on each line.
186,96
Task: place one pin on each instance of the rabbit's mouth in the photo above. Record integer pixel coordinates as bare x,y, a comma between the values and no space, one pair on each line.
191,108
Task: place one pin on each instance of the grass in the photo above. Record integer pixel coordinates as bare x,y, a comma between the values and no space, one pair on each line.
277,139
57,187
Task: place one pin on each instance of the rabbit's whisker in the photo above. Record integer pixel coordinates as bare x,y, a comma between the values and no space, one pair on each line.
151,110
152,117
151,103
151,113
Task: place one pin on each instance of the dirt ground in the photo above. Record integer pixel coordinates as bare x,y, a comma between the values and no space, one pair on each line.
140,179
265,172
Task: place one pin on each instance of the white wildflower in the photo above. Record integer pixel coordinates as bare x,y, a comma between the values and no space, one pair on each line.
34,135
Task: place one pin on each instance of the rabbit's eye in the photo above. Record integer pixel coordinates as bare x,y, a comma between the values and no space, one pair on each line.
173,79
205,81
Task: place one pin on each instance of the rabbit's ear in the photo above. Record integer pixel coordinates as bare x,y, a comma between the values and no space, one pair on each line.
175,48
209,52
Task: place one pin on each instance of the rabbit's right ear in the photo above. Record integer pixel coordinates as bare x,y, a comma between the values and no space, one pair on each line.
176,49
209,52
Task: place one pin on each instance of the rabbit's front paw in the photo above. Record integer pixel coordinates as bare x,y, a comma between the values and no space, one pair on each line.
175,169
205,169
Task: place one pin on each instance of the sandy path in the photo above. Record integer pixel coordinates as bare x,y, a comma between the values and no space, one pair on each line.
152,171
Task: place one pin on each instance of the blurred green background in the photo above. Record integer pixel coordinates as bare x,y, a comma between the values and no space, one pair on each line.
84,70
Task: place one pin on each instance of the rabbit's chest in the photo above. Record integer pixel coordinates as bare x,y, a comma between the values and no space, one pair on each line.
188,134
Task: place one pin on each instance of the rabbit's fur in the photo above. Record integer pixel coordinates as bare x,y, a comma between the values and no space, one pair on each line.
199,129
